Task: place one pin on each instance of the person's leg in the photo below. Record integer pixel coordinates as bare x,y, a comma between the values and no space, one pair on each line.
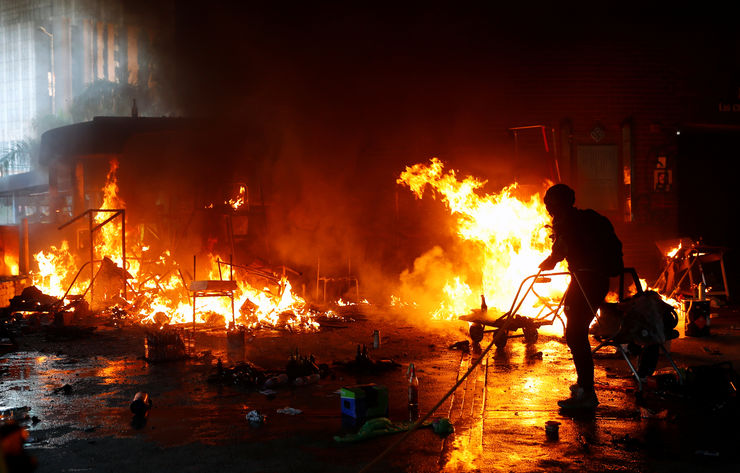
576,335
579,316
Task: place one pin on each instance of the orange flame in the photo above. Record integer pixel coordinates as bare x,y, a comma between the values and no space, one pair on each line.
501,239
240,199
673,252
159,287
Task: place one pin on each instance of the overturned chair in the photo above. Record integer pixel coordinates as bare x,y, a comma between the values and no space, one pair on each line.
642,319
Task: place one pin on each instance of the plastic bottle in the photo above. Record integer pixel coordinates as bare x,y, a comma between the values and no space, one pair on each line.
141,403
413,393
376,339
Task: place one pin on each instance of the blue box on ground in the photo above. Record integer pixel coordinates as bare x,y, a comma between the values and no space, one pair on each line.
364,401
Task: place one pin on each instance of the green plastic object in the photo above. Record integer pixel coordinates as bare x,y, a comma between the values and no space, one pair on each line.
443,426
365,401
383,426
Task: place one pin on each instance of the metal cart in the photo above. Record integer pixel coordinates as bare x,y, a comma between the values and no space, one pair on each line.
484,321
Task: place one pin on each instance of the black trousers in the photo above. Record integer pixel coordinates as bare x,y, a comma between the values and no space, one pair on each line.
579,316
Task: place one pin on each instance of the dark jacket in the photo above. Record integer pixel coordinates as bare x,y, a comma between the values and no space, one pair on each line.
587,241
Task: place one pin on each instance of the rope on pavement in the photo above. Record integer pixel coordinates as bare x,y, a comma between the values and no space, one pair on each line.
502,332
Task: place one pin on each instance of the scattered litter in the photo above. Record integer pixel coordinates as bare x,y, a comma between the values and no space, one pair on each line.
364,364
291,411
707,453
628,443
274,381
462,346
255,418
713,384
647,413
712,352
301,366
244,373
535,356
304,380
16,414
66,389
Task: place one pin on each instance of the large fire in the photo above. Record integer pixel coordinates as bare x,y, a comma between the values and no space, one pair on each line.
501,239
156,288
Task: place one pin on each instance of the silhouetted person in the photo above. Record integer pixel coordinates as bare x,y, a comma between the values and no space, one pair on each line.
586,240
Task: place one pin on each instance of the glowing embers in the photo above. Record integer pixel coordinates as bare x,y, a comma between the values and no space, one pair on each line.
499,239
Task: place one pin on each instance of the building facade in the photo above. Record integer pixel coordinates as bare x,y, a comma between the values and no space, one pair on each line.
64,61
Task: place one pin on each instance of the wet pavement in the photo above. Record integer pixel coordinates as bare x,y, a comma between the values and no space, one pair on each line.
72,394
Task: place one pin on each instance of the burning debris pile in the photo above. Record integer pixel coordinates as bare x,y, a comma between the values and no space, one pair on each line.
128,280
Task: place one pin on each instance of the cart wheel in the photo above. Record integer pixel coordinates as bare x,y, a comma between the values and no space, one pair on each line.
648,361
530,335
476,333
501,343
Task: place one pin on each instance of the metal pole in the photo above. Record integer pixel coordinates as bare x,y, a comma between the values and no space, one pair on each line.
555,154
92,258
194,297
123,249
25,260
233,317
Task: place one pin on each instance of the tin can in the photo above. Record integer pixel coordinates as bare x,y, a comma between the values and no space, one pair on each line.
141,403
376,339
552,428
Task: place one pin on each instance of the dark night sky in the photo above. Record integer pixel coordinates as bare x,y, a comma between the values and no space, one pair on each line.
336,68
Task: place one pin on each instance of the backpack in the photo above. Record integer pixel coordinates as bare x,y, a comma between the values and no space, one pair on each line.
608,248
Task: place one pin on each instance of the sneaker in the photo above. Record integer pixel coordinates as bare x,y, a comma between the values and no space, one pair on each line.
580,399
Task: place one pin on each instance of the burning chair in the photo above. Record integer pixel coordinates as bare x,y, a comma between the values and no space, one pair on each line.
213,288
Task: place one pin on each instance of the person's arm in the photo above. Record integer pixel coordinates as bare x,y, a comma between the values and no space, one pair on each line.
557,254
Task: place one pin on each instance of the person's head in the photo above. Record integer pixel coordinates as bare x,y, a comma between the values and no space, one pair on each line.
558,199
